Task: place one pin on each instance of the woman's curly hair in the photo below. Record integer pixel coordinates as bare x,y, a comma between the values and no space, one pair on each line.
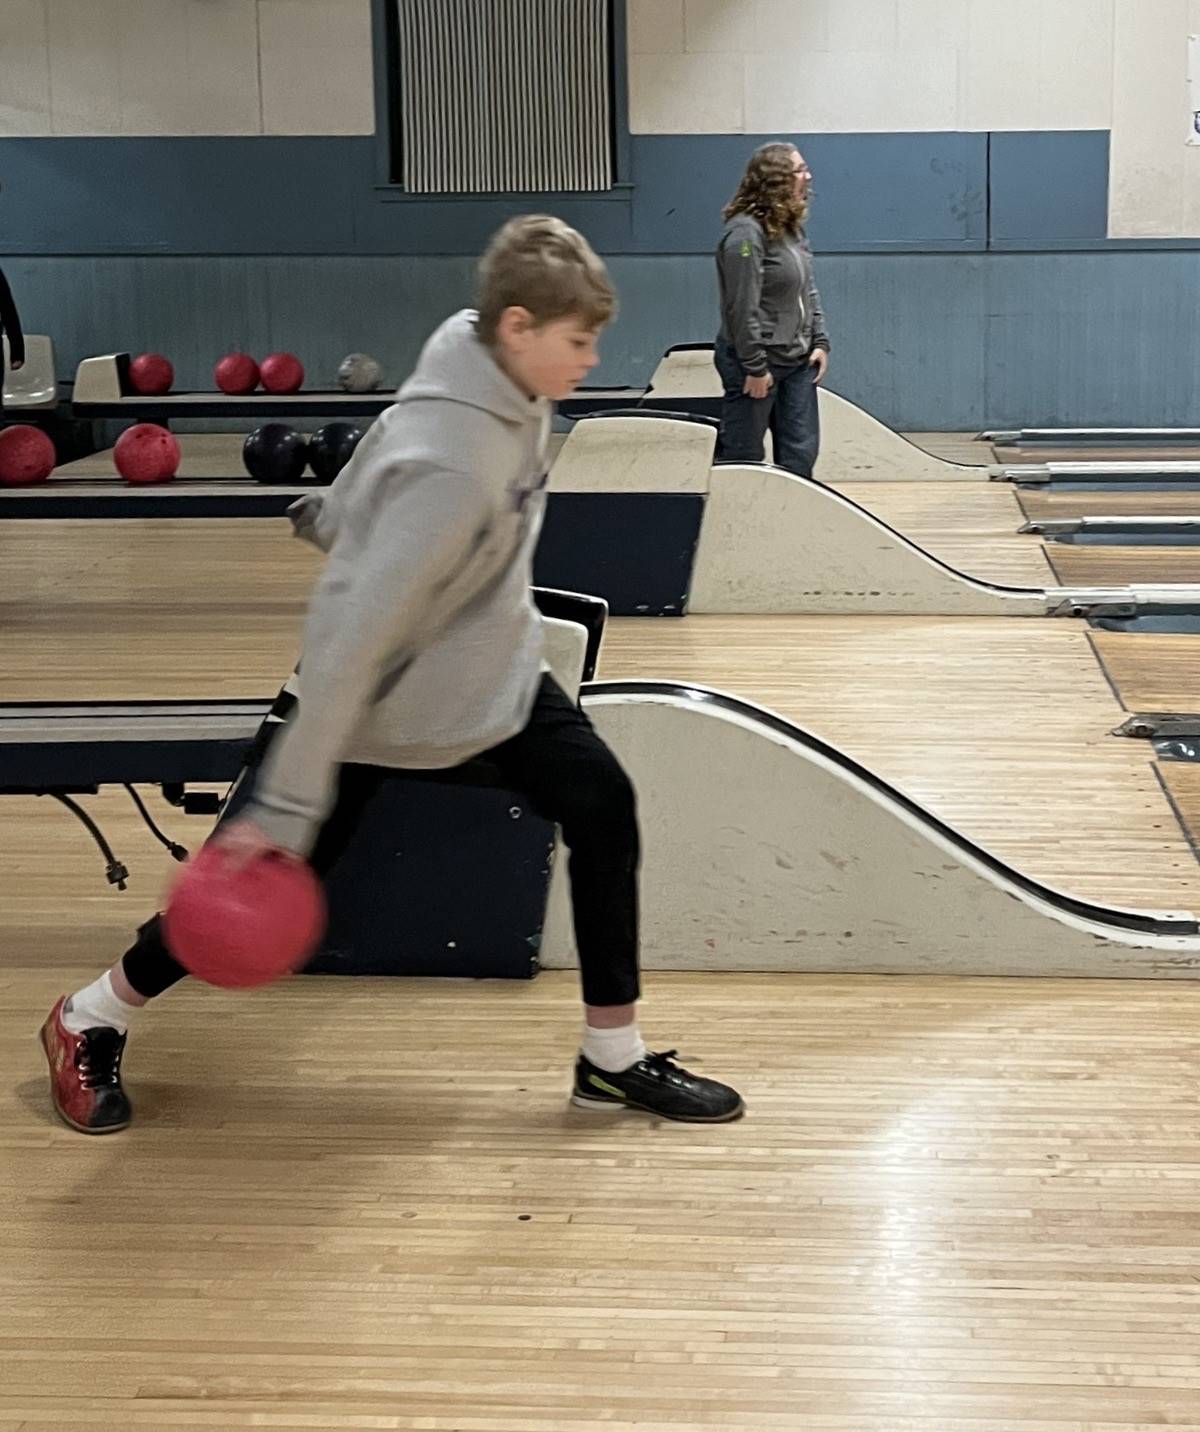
766,192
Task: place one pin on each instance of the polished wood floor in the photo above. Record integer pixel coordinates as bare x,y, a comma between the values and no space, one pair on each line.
1152,671
1092,452
954,1206
1123,566
1050,505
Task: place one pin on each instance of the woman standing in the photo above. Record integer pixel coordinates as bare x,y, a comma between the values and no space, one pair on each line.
773,349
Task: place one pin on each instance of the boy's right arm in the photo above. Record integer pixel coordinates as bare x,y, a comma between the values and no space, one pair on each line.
359,623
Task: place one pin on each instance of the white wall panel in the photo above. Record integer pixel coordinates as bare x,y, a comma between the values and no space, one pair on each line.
655,27
716,27
684,94
85,66
1037,64
162,67
24,68
790,27
852,91
872,65
934,23
725,66
998,76
1075,64
1152,163
856,25
316,66
187,68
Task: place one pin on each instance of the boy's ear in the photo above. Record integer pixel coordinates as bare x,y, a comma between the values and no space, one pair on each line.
514,323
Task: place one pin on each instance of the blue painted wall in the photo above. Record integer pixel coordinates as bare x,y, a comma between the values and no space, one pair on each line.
1048,189
922,340
967,278
319,196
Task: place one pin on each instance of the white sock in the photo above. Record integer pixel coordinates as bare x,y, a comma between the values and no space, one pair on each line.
98,1006
613,1050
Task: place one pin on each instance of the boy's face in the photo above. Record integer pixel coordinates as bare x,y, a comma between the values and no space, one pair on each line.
547,360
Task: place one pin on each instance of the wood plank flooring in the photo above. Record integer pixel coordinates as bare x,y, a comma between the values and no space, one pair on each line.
1123,566
1038,505
954,1205
1152,671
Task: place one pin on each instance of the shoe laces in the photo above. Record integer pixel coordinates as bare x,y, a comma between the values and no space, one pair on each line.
98,1058
662,1063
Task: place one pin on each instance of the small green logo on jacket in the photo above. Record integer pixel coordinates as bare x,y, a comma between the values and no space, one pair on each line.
746,251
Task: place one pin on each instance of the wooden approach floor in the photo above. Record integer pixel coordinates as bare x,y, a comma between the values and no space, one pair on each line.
954,1206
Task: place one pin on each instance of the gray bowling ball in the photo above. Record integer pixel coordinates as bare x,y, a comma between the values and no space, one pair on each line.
359,373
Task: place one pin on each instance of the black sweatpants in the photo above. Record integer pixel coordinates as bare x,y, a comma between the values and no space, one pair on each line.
570,777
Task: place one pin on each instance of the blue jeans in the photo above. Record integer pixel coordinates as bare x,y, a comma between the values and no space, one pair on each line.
789,412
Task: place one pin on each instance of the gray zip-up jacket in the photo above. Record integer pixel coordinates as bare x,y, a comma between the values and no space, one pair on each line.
423,646
770,308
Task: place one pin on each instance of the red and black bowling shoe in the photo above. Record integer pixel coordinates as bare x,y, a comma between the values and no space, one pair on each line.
85,1075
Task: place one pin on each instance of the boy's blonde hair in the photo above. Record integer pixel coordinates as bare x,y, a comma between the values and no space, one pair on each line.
539,263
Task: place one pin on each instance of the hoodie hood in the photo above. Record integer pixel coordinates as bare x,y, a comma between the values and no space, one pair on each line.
457,365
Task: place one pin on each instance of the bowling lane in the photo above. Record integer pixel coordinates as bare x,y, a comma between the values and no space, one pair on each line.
151,609
1036,454
999,725
1104,566
1049,506
1182,781
1152,671
1160,674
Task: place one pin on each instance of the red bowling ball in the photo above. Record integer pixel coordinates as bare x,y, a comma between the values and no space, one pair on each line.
282,373
26,455
241,925
151,374
236,373
147,453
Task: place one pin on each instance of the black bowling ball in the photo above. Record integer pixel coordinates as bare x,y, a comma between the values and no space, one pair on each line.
330,448
275,453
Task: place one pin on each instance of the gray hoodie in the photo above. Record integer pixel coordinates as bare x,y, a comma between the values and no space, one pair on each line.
770,308
422,646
